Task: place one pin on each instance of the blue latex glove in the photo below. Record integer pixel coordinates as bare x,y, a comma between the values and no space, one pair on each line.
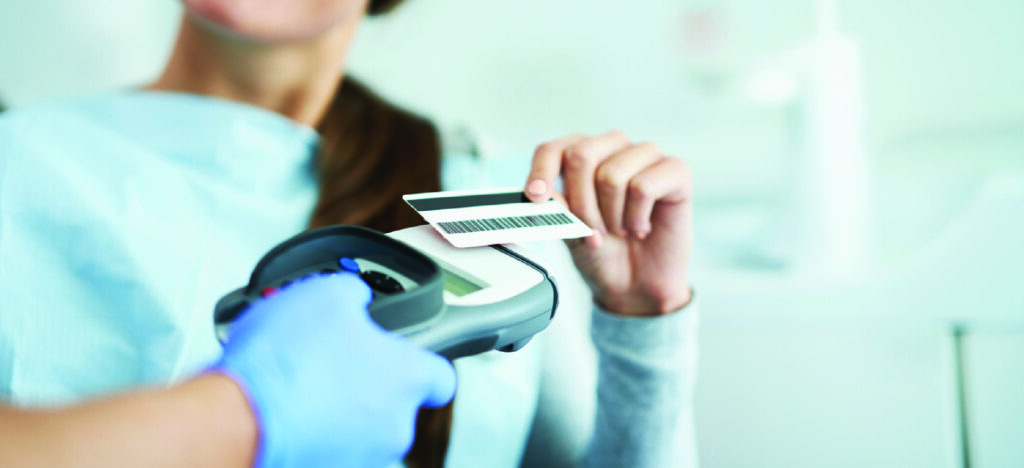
329,386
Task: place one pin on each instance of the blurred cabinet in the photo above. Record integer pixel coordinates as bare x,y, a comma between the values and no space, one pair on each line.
826,393
994,370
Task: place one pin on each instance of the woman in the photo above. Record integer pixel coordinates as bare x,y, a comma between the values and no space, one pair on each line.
138,210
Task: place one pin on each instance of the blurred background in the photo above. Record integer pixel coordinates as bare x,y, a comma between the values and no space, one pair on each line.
859,169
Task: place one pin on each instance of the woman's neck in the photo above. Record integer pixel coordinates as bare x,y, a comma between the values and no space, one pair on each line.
296,79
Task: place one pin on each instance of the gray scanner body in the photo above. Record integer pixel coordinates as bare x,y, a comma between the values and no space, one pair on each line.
456,302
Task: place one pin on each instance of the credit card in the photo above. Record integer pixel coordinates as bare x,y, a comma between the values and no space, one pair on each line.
472,218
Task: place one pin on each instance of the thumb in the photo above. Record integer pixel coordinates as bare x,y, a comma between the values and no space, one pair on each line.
441,381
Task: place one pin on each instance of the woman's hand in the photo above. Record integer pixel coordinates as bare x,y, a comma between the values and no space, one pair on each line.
638,202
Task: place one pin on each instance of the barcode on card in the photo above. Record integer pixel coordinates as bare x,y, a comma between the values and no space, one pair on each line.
503,223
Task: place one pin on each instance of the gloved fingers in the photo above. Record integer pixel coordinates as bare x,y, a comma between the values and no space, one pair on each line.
440,380
436,375
342,288
308,299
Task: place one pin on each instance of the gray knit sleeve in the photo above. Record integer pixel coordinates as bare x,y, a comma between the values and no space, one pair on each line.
646,371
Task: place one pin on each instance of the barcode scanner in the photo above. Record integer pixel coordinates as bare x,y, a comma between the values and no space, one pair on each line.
455,302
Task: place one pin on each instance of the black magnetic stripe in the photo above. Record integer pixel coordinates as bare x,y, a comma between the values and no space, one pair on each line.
507,222
465,201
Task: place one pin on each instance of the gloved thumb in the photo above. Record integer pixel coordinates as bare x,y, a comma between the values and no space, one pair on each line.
441,381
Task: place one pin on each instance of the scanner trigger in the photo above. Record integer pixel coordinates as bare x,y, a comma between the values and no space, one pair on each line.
515,345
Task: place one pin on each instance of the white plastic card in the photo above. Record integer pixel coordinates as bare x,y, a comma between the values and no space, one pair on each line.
472,218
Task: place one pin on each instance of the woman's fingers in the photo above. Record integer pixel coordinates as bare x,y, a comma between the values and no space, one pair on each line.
667,180
611,184
547,165
612,180
623,190
575,158
578,169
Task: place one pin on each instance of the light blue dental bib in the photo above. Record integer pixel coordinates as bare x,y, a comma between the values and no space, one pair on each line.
119,230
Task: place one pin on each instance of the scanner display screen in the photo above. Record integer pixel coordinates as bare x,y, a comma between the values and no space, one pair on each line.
459,285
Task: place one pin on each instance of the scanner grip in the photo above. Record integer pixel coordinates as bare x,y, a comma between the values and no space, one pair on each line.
505,326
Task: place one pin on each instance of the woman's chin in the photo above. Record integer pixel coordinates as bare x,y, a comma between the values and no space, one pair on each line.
262,21
226,13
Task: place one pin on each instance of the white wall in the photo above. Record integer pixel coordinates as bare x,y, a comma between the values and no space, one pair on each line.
54,47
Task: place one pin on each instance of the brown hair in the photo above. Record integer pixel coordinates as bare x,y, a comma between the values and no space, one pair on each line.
372,153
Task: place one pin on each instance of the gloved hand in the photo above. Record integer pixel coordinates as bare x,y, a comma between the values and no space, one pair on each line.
329,387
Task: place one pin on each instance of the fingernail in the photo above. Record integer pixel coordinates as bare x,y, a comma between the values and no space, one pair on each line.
642,234
537,187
